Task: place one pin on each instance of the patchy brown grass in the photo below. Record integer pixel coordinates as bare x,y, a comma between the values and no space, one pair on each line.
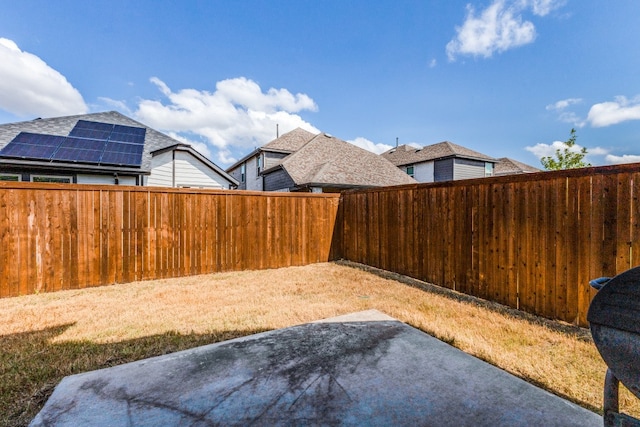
45,337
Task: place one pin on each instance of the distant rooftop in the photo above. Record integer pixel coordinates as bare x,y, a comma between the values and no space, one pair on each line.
405,154
507,166
290,141
329,160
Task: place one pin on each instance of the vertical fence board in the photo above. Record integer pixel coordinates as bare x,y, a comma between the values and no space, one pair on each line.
623,240
635,219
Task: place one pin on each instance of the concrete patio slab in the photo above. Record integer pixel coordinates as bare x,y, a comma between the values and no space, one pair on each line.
361,369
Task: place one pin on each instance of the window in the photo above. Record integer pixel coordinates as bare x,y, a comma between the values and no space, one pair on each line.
243,172
258,164
410,171
10,177
51,178
488,169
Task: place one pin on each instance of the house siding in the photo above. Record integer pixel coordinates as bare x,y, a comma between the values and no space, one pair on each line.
98,179
127,180
191,172
253,180
237,175
468,169
277,180
272,159
423,172
161,171
184,171
443,170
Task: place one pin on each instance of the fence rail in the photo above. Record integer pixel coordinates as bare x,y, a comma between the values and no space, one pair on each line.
55,237
531,242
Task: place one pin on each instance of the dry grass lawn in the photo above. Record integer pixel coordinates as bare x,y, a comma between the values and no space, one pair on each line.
45,337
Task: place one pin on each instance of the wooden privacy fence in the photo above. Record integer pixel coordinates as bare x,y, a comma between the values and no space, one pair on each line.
531,242
55,237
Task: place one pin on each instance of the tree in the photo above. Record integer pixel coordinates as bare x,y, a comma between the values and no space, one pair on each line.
567,158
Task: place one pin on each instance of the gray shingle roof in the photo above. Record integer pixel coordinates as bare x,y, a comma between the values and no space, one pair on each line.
327,160
404,154
290,141
507,166
61,126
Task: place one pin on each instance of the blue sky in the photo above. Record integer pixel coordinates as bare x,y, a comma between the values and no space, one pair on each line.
503,77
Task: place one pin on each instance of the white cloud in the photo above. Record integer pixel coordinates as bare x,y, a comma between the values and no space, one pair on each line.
544,150
625,158
433,63
377,148
614,112
564,103
594,154
544,7
238,114
498,28
567,116
30,87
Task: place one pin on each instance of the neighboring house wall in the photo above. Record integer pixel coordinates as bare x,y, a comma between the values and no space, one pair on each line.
106,179
76,178
96,179
450,169
237,175
469,169
443,170
127,180
278,180
182,169
271,159
161,171
190,172
254,181
423,172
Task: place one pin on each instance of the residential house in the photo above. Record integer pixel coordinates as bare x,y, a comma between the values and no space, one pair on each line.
444,161
507,166
103,148
248,170
302,161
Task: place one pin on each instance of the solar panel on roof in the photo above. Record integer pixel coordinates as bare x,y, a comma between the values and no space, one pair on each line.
121,159
123,147
128,134
92,130
120,153
32,146
107,131
79,150
85,144
38,139
77,155
88,142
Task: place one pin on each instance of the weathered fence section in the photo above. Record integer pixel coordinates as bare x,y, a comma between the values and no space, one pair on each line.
530,242
55,237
